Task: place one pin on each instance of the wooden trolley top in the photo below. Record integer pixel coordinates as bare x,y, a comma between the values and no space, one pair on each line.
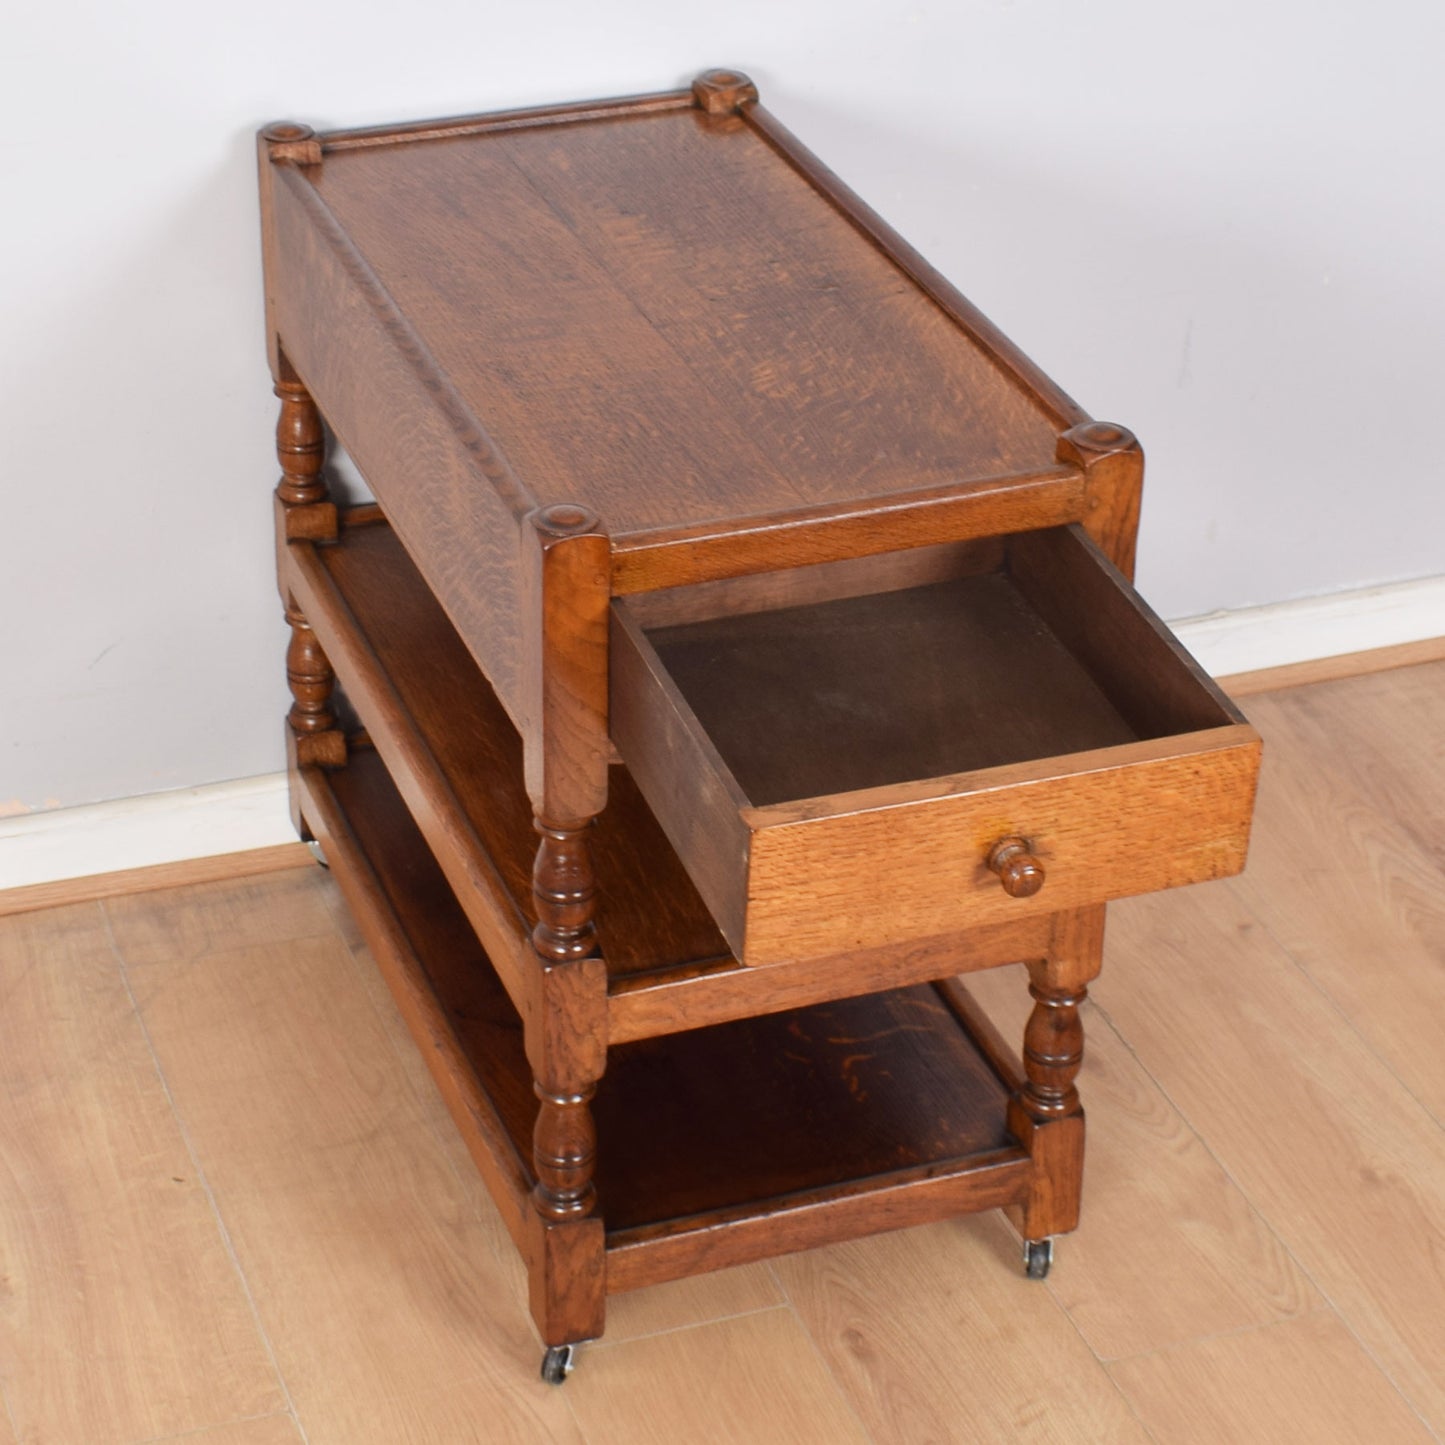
667,311
662,320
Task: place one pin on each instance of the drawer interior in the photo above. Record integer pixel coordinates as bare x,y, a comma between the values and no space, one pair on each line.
958,659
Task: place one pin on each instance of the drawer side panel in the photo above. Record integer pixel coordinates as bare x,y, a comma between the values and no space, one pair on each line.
680,775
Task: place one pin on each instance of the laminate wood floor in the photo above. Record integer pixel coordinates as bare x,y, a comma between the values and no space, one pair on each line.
233,1210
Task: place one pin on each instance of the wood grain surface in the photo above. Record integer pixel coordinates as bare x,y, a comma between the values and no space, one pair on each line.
1031,695
458,761
1322,1137
1253,1259
950,677
752,344
913,1324
676,317
1345,825
454,498
663,1307
124,1315
304,1119
1323,1387
750,1379
1334,669
1170,1248
268,1430
1095,820
65,891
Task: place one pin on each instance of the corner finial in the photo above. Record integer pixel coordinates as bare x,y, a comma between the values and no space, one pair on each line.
1113,465
288,141
719,91
1094,439
564,519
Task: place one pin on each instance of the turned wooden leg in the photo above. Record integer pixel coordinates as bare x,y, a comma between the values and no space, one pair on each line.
304,510
315,737
300,447
566,562
566,1047
1045,1113
1053,1049
564,1142
312,736
304,515
564,1153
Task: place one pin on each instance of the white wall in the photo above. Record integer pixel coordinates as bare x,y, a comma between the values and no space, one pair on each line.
1220,226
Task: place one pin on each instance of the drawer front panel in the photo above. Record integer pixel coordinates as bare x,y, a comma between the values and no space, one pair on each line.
865,876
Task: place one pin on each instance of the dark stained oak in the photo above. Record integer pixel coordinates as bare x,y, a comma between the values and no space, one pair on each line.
743,1120
918,683
309,675
805,759
300,445
303,509
566,589
668,966
758,354
743,645
648,915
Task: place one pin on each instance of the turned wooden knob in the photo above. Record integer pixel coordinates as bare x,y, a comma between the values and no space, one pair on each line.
1021,874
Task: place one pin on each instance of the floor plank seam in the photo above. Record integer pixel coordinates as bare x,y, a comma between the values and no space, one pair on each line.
605,1344
227,1242
570,1402
9,1413
201,1430
1269,1224
5,1393
475,1202
1253,1328
788,1303
434,1126
828,1370
1336,1008
1100,1361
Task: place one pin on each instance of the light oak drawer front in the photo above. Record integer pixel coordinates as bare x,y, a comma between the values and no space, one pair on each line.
839,753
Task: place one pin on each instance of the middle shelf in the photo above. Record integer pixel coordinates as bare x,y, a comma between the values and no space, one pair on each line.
456,760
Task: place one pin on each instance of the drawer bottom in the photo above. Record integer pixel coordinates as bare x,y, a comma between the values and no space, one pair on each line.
738,1141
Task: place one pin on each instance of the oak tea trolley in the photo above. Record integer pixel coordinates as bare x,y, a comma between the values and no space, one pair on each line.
740,648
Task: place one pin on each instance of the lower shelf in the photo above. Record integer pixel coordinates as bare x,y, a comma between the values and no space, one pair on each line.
782,1132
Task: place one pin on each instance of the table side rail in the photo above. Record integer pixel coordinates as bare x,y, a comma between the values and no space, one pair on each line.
740,546
652,1254
573,113
1002,1057
648,1006
447,489
504,932
1060,406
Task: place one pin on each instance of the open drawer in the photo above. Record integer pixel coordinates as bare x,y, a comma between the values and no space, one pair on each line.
870,752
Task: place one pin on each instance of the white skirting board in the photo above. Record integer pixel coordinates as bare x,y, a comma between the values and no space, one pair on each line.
252,813
1282,633
141,832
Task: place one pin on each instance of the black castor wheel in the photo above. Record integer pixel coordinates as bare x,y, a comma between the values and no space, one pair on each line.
1038,1256
558,1363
